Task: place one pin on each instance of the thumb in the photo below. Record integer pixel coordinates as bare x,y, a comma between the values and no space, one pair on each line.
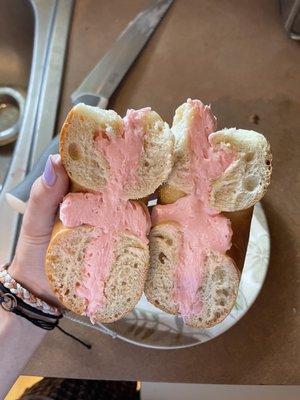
46,194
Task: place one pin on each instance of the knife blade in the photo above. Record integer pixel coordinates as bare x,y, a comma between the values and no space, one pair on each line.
99,85
116,62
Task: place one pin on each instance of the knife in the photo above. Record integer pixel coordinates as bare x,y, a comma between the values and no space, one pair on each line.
99,85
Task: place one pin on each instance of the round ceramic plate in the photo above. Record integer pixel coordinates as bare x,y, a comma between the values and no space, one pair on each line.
148,326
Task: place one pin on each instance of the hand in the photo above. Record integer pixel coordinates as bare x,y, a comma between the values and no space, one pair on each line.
28,265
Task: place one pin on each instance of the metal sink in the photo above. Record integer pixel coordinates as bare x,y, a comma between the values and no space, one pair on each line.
33,38
16,47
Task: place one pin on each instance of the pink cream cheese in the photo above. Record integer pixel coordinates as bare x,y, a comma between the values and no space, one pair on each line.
123,153
203,229
110,212
201,232
110,221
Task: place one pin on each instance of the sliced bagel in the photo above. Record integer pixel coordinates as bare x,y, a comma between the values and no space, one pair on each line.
217,292
242,184
157,157
144,154
246,180
178,180
165,242
86,167
227,170
65,270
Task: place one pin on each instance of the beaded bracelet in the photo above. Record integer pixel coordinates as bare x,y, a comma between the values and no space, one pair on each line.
18,300
16,289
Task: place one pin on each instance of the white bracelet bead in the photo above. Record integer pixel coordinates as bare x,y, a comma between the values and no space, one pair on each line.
28,298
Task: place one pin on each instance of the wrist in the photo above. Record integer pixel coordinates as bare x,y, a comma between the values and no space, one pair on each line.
11,322
18,300
20,274
19,339
17,273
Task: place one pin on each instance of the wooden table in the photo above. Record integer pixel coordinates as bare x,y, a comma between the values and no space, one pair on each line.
235,55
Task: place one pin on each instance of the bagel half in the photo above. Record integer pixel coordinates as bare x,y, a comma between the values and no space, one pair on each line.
241,185
146,154
242,179
125,282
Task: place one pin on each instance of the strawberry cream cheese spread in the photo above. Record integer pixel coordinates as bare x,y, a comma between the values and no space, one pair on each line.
110,212
203,229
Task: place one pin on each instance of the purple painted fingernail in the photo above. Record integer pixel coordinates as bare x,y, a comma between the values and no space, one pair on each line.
49,175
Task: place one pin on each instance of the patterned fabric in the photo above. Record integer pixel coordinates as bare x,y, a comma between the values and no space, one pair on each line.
75,389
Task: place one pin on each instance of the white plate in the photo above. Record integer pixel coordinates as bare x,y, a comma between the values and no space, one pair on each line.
148,326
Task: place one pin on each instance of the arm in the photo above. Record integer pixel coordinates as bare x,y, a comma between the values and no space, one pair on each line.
18,337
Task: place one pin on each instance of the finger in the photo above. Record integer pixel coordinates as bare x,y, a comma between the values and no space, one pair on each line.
46,194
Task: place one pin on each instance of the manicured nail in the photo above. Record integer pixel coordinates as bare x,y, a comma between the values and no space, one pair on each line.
49,175
55,158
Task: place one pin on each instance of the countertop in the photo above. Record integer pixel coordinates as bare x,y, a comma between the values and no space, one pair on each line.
235,55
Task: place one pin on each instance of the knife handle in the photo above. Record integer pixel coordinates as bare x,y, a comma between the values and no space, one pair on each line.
20,193
92,99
